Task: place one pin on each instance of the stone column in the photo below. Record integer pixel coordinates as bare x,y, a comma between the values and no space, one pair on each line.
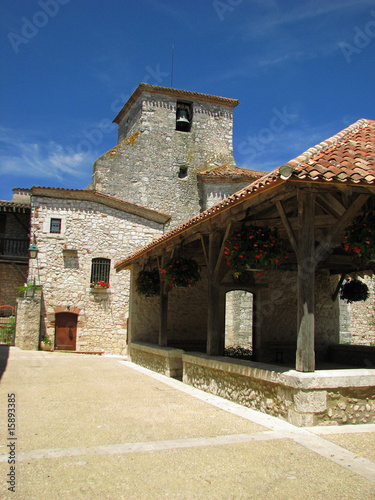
28,321
305,358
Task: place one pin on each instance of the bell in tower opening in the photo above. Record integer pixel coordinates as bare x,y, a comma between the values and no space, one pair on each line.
183,117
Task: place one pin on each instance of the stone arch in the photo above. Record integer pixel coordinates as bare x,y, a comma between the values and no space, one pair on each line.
68,308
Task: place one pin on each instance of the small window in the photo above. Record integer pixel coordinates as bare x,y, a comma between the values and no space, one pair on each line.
55,226
184,115
182,173
100,270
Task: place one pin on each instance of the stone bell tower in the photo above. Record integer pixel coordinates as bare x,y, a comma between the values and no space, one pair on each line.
166,137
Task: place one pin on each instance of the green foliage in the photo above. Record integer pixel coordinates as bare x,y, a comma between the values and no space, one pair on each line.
148,283
253,247
181,273
238,352
46,340
359,237
7,331
22,290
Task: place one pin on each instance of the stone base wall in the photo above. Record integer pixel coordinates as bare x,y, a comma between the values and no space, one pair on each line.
303,399
164,360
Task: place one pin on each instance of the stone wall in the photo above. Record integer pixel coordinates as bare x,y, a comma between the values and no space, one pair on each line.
144,167
277,311
28,321
318,398
187,316
213,193
239,319
63,267
164,360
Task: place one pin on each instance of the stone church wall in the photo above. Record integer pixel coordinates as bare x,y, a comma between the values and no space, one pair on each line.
149,164
63,267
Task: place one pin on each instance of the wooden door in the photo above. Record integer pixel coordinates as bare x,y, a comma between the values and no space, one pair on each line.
65,331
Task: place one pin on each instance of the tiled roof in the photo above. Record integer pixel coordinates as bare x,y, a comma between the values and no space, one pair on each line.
348,157
229,173
104,199
6,206
171,92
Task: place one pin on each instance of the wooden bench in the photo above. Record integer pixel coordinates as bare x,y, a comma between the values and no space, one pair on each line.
279,347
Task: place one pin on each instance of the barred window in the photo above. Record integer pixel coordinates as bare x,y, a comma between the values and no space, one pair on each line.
100,270
55,226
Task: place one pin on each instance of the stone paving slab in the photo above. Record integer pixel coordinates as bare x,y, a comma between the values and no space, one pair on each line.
259,470
95,427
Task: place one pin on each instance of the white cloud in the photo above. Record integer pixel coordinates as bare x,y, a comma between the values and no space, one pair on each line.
21,156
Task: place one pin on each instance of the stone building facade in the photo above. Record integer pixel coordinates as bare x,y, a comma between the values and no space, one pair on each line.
91,227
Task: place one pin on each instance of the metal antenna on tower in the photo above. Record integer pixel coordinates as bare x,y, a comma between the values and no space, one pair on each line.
172,66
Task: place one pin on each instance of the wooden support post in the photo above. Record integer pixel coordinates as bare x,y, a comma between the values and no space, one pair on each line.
163,318
163,325
215,298
305,357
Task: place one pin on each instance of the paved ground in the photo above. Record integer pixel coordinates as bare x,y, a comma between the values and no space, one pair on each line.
99,427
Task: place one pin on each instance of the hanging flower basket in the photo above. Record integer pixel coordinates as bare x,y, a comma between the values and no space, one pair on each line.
359,237
254,248
181,273
354,291
148,283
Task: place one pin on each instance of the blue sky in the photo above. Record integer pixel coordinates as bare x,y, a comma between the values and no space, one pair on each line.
302,72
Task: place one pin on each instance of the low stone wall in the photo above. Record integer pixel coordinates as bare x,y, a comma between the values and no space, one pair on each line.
164,360
329,397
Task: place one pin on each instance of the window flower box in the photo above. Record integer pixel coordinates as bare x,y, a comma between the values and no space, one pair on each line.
99,285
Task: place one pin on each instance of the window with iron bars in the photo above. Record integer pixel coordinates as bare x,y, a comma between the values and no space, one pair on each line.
100,270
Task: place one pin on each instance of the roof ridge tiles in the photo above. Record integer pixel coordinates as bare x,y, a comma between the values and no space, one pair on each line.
322,146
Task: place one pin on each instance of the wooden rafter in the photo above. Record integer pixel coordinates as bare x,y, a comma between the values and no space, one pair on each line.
325,247
287,226
331,205
221,254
